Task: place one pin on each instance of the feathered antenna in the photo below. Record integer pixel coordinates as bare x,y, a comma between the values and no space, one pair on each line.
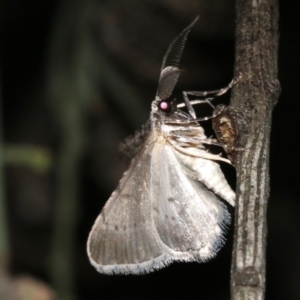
175,50
170,67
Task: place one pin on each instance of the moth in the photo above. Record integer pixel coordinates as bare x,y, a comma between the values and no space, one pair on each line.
167,205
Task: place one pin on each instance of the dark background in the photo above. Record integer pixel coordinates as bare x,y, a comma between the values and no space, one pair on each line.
81,75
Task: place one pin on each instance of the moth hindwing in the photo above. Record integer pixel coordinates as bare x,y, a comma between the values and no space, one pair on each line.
166,207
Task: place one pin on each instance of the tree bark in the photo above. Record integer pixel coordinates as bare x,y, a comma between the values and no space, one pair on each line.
255,95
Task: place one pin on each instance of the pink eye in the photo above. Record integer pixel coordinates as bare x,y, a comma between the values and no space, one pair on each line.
165,106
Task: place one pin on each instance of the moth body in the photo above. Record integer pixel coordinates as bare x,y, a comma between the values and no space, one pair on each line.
166,207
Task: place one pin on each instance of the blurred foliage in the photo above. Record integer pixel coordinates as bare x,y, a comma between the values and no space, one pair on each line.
38,159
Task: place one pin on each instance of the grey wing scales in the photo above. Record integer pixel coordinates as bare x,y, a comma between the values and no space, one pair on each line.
158,214
123,240
189,218
206,171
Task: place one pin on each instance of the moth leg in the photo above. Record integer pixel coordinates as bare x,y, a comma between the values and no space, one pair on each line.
214,142
189,104
184,138
215,114
193,115
218,92
187,140
198,152
209,117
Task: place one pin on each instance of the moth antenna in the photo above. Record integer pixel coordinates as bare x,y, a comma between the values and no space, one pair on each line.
170,67
175,50
167,81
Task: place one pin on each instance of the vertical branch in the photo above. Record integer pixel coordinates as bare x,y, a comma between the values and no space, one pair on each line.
255,95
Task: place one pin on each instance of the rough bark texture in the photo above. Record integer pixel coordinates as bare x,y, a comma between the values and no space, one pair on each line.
255,95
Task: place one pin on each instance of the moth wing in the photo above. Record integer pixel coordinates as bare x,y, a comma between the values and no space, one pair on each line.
201,165
157,214
123,239
189,218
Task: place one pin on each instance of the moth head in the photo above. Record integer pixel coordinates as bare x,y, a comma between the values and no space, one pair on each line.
165,106
167,81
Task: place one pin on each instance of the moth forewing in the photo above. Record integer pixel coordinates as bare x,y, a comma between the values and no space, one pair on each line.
123,239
